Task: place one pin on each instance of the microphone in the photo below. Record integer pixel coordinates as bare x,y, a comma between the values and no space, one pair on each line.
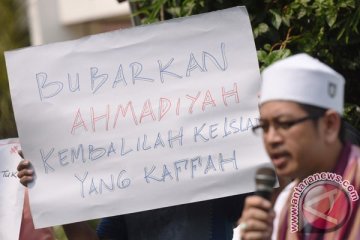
265,179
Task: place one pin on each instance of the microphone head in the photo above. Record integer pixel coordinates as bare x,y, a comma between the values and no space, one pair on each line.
265,179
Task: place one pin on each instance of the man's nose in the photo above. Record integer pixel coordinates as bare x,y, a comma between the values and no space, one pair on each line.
272,136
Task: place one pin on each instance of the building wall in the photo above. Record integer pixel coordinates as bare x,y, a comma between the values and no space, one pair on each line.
60,20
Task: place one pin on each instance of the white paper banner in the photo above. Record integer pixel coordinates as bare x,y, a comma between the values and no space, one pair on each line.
12,193
139,119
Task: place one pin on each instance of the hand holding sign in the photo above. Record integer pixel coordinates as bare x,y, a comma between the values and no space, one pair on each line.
25,172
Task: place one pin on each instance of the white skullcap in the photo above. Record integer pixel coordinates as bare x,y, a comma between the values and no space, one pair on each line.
303,79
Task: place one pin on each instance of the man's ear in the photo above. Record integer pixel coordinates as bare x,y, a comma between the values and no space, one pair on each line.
332,125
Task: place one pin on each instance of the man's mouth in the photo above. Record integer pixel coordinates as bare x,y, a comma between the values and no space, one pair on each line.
279,159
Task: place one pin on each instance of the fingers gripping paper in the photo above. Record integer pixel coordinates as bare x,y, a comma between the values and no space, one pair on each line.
139,119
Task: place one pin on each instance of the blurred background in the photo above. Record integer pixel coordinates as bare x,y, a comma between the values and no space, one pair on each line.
326,29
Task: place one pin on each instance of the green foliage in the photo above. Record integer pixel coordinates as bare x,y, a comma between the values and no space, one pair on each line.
153,11
13,34
352,114
325,29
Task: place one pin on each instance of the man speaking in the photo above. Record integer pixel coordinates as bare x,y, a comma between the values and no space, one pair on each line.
301,105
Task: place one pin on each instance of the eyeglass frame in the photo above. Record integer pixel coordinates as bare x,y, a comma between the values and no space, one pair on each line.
284,125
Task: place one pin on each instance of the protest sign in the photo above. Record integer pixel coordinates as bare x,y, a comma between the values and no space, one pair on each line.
139,119
12,193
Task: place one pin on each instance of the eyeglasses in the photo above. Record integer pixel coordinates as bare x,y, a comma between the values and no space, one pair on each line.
280,125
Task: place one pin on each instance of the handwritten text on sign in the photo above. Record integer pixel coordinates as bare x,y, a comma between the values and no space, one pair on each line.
124,121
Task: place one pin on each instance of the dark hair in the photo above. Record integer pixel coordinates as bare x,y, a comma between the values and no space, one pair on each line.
319,111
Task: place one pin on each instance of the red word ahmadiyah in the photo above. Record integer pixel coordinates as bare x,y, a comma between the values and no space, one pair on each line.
89,119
